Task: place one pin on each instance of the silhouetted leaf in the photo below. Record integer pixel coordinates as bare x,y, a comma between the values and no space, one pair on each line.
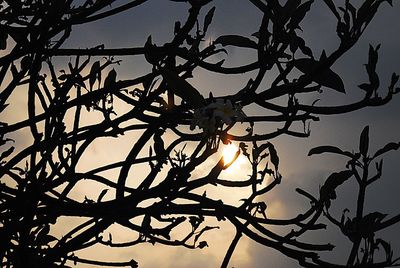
373,57
364,141
273,155
288,9
235,40
243,146
366,87
332,7
158,142
299,14
63,77
369,222
133,264
110,80
7,153
326,78
327,191
329,149
94,74
208,19
202,244
183,89
388,147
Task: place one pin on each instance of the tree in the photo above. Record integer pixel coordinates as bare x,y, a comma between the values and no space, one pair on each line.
72,106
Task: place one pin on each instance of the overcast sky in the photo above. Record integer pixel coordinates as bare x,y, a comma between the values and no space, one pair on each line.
157,18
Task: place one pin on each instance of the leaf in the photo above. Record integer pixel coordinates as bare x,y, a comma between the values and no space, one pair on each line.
332,7
110,80
299,14
388,147
202,244
7,153
366,87
183,89
235,40
327,191
63,77
243,146
369,222
133,264
326,78
329,149
94,74
288,9
273,155
208,19
364,141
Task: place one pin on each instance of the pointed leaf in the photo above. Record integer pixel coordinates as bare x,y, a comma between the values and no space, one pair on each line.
326,78
388,147
327,191
332,7
183,89
202,244
273,155
299,14
235,40
110,80
329,149
7,153
94,73
364,141
208,19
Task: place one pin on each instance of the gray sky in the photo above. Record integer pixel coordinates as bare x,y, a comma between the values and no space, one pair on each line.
157,18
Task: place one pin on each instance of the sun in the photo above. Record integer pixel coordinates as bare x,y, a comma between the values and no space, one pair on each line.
229,152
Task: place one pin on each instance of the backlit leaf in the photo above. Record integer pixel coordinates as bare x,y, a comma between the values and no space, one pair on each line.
364,141
94,74
235,40
208,19
388,147
329,149
183,89
326,78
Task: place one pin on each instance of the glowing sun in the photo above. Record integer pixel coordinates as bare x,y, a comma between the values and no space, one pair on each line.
229,152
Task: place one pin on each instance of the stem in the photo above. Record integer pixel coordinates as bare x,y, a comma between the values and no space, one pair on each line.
231,248
360,210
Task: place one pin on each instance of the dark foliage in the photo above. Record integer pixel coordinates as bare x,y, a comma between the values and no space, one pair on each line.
179,129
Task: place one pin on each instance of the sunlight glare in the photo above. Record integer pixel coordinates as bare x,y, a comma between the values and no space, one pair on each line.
229,152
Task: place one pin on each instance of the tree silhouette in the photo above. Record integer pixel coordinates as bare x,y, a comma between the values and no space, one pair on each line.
179,130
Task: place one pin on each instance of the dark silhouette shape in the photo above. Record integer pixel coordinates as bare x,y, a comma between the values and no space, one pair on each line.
36,180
